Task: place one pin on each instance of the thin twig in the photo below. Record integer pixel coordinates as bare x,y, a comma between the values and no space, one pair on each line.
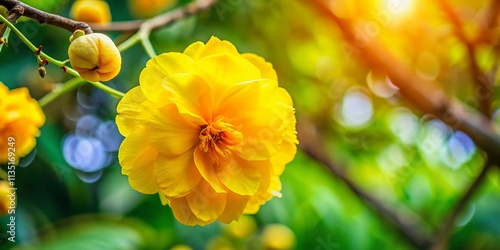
158,21
485,93
32,47
44,17
444,233
408,224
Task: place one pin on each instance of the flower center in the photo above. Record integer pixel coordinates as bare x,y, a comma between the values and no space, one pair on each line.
218,139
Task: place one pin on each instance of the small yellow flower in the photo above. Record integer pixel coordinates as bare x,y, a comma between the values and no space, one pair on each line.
149,8
20,118
181,247
278,237
7,198
242,229
91,11
95,57
209,130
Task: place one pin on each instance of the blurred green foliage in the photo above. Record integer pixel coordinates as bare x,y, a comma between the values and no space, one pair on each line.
396,153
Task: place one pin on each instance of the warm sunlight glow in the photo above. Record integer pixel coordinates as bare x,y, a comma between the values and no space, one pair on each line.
399,7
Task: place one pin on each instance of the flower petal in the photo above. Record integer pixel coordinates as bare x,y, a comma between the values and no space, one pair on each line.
206,167
241,96
169,132
194,50
266,68
192,96
137,159
215,46
176,175
183,213
286,153
205,203
241,176
235,206
224,70
261,198
157,68
263,132
127,110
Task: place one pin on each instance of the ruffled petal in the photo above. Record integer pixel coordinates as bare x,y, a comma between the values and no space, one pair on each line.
192,96
215,46
170,133
266,69
137,159
235,206
24,133
224,70
194,50
263,132
262,197
20,101
205,203
183,213
285,155
241,96
157,68
176,176
128,111
241,176
206,167
288,147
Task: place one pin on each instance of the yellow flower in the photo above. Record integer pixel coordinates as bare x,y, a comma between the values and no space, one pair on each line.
95,57
20,118
149,8
7,198
209,130
242,229
91,11
278,237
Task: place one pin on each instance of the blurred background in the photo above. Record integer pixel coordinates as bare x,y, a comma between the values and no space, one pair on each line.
71,193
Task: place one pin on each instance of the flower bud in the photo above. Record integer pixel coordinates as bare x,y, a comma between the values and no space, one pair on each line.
95,57
91,11
41,71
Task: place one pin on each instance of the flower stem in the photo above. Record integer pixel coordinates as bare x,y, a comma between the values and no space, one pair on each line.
110,91
146,43
66,87
127,44
105,88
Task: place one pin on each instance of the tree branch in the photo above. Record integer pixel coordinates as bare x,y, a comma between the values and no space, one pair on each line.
426,96
444,233
407,223
14,14
490,18
485,95
158,21
45,18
